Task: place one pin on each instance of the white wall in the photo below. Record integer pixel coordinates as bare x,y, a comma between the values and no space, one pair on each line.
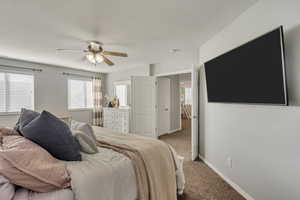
263,141
124,76
161,69
50,91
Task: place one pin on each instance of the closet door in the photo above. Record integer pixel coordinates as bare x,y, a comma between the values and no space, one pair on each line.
144,106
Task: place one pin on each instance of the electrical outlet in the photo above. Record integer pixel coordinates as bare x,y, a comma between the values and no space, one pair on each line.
229,162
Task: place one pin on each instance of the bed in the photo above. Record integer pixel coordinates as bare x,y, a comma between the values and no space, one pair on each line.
107,175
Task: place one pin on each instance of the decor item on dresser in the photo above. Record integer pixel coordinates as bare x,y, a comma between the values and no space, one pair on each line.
53,135
117,119
114,103
97,102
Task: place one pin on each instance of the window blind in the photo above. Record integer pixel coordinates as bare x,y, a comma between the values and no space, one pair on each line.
80,94
16,92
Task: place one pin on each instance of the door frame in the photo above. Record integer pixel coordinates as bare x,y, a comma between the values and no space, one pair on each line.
158,106
195,135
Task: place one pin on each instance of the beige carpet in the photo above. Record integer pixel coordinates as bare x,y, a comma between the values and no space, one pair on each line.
201,182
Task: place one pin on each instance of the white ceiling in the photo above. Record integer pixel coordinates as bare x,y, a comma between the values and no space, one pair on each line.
145,29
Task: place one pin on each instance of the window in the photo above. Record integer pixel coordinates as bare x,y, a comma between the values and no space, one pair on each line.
16,92
80,94
188,95
121,94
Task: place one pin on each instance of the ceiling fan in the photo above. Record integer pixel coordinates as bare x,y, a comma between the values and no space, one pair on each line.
95,53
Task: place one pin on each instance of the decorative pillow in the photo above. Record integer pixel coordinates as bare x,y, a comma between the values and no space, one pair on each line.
6,132
26,116
7,190
87,144
26,164
84,127
53,135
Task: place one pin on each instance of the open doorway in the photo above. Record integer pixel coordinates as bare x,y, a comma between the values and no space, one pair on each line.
174,101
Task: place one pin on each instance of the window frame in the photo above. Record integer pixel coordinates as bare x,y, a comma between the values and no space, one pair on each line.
185,96
69,94
127,83
5,71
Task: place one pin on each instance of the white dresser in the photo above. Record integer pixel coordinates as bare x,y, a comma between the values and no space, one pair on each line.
117,119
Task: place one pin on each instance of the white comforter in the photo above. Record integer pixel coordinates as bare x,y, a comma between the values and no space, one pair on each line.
107,175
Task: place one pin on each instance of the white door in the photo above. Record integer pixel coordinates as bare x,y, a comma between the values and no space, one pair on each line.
164,103
195,119
144,109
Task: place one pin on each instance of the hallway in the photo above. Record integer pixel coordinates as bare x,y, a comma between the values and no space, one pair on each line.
202,183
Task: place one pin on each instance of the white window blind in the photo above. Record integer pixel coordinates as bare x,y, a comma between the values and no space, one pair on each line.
80,94
16,92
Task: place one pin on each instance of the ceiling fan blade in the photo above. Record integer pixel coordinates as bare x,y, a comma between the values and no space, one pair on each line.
75,50
112,53
107,61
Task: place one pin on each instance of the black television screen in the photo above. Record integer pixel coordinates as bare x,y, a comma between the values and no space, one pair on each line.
251,73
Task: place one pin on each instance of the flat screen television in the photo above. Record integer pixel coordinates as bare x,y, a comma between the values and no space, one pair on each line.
253,73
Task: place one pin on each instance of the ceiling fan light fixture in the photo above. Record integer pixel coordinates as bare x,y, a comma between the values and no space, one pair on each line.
91,57
99,58
96,54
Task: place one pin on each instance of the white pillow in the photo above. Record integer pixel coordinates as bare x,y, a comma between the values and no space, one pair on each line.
84,127
87,144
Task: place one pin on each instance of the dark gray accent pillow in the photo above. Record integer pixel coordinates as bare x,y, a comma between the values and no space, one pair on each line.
26,116
53,135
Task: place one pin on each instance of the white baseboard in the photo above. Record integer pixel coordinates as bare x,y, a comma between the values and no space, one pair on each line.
225,178
175,130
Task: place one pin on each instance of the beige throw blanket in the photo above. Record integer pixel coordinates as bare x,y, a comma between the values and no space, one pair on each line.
153,163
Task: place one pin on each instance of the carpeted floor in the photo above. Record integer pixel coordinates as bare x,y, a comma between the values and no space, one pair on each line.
201,182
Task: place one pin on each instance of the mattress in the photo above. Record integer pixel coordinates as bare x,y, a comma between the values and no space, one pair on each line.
23,194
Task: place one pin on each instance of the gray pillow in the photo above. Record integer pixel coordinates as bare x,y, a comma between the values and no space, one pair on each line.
53,135
26,116
84,127
87,144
